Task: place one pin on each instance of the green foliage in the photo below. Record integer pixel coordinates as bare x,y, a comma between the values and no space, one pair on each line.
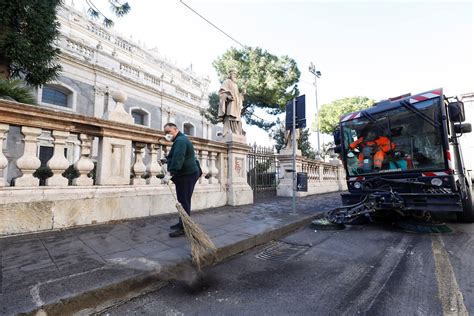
43,173
262,174
27,33
118,8
305,146
71,173
330,113
269,81
211,112
13,89
279,137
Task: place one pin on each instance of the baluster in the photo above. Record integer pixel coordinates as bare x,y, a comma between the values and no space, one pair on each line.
153,167
29,162
213,168
58,163
164,153
85,164
204,167
3,160
139,167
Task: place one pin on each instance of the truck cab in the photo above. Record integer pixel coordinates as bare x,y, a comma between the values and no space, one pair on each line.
406,151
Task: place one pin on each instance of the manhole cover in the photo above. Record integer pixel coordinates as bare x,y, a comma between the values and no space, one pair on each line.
282,251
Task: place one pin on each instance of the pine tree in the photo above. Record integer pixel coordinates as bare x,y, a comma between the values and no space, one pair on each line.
28,29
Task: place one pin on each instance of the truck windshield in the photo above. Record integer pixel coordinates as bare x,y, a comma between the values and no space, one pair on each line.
405,138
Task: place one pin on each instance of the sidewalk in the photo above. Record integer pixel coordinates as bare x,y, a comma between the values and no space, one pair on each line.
70,270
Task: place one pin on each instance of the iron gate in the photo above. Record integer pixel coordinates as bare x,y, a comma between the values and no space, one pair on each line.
262,175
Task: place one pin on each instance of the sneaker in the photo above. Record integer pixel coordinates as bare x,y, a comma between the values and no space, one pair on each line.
177,233
176,226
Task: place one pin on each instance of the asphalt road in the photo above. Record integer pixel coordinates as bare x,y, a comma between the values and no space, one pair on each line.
362,270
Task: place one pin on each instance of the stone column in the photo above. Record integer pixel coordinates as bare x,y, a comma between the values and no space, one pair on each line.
29,162
3,159
58,163
239,192
84,165
139,167
213,168
285,186
204,167
153,166
99,95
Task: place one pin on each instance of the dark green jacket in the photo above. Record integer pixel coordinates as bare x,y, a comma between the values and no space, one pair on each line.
181,159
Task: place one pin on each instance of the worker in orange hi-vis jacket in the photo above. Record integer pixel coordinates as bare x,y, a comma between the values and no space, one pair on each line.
372,143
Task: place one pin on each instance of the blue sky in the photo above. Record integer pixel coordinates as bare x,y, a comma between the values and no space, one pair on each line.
376,49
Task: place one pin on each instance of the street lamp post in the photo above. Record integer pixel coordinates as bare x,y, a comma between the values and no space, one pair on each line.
317,74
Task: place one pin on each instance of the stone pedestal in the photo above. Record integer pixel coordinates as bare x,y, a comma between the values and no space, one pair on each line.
118,114
285,186
239,192
113,167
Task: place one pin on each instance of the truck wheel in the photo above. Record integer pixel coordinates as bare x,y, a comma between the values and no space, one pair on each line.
467,215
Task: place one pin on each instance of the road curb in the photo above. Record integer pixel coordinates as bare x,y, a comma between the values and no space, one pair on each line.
145,282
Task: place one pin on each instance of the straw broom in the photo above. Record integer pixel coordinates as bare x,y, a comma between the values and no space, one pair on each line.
203,249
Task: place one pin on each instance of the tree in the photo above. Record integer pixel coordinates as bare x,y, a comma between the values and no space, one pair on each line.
117,7
330,113
211,112
15,90
27,33
28,29
270,82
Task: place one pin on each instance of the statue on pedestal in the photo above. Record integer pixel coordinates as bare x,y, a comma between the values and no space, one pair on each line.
289,138
230,105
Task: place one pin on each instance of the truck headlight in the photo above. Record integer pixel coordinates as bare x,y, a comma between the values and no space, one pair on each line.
357,185
437,182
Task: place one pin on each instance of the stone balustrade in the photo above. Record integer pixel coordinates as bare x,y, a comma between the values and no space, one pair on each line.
96,170
322,176
123,179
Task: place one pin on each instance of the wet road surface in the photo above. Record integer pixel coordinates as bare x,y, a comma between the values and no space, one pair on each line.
361,270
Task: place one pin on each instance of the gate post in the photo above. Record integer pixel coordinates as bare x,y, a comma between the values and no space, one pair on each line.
285,186
239,192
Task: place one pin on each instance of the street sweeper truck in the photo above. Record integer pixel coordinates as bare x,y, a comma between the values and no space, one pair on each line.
403,156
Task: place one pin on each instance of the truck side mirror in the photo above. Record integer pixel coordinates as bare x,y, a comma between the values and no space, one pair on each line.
456,111
462,128
337,136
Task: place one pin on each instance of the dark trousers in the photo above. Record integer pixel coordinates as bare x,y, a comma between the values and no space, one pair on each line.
184,190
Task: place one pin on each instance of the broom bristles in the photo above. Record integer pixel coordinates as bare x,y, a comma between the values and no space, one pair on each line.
203,249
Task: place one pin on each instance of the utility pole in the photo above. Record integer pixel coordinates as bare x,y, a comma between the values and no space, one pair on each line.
317,74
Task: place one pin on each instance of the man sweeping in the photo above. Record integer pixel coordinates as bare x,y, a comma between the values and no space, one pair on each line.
184,171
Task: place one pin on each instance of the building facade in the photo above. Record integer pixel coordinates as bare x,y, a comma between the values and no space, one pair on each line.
96,62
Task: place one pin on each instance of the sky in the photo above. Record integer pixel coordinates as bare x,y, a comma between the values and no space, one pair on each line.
377,49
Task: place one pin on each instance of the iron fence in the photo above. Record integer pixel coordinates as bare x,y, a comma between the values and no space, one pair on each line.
262,175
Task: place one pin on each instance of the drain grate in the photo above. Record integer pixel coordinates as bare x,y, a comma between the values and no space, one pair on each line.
282,251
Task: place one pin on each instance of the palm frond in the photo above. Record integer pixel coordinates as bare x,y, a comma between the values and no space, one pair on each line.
14,89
